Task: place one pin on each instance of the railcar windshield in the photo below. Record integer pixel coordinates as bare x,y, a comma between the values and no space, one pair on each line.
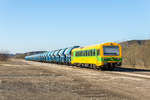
111,50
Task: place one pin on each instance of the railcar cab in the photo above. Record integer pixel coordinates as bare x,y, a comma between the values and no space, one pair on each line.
111,53
68,54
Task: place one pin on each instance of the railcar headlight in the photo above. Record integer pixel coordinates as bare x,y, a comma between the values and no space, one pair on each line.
118,58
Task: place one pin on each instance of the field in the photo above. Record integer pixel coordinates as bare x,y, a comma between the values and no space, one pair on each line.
26,80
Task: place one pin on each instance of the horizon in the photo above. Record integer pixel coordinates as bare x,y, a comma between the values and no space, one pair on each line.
27,25
7,52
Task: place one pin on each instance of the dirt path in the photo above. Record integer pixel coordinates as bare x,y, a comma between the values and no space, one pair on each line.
25,80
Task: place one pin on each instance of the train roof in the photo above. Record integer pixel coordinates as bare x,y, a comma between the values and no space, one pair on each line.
95,46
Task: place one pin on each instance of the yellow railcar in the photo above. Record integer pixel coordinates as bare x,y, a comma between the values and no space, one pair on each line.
104,56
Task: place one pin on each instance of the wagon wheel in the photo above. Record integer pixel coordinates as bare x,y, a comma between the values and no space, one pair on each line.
103,68
94,66
97,67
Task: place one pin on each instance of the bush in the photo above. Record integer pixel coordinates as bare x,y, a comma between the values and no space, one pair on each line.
4,57
20,56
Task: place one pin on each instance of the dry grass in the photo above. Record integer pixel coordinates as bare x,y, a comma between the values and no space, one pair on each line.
136,53
21,80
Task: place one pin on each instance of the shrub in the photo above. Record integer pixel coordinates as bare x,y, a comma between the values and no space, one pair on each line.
4,57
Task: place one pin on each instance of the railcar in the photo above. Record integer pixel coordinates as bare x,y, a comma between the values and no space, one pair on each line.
105,56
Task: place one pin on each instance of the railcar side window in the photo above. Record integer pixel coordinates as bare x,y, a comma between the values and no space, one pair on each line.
86,52
83,53
79,53
91,52
94,52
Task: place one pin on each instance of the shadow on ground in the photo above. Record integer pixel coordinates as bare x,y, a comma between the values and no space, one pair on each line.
121,69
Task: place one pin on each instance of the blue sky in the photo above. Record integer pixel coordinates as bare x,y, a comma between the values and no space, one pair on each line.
30,25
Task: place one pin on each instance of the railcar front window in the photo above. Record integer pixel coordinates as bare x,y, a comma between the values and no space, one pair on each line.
111,50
